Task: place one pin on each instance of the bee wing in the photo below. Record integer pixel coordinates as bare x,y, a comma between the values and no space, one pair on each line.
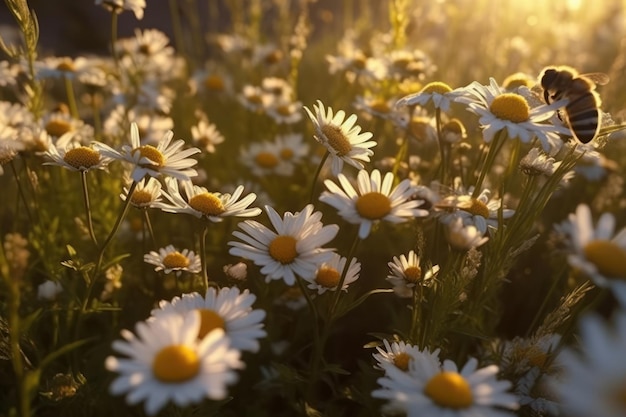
598,78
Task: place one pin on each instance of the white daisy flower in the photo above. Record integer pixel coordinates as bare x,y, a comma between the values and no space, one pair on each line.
406,273
501,110
464,237
342,138
400,355
481,211
266,158
169,259
292,148
295,247
284,111
168,362
73,156
118,6
598,251
437,94
254,98
375,200
164,159
429,389
49,290
328,274
206,135
592,381
228,309
201,203
61,123
147,192
536,162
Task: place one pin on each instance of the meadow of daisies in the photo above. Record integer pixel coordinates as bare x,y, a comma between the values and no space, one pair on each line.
310,208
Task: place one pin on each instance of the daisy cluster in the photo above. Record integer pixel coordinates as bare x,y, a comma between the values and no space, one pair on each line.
232,222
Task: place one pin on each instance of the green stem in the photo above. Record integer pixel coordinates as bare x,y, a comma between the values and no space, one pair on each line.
114,40
337,293
83,177
71,97
21,191
317,174
495,147
179,38
443,168
148,223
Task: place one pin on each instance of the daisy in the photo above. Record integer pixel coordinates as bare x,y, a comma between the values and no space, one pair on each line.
437,94
49,290
60,123
201,203
168,362
374,201
266,158
147,192
481,211
228,309
169,259
164,159
376,106
399,354
291,147
70,155
328,274
118,6
254,98
464,237
598,251
592,380
428,388
285,111
500,110
536,163
206,135
295,247
342,138
406,273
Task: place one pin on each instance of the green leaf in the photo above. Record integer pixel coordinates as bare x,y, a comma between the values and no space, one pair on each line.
345,309
65,349
27,321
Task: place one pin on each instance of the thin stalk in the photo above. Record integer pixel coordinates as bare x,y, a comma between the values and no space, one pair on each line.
114,40
148,223
21,191
337,293
71,97
83,177
179,39
442,148
316,176
495,147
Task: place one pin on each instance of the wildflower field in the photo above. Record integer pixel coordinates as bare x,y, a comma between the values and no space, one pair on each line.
316,208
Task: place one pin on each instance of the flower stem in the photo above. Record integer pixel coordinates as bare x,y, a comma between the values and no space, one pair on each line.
316,176
114,39
495,147
148,223
21,191
83,177
71,98
337,293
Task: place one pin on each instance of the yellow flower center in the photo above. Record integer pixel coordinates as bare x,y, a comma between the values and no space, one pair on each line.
214,83
175,363
519,79
274,57
82,157
511,107
380,106
283,249
266,160
454,126
475,207
175,260
152,153
207,203
286,153
449,389
402,360
283,110
210,321
66,65
609,258
436,87
359,61
141,197
327,277
413,274
57,127
254,99
373,205
336,139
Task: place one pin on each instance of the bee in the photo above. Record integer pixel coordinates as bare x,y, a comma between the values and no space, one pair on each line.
582,112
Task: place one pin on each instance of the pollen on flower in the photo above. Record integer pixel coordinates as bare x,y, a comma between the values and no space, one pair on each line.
214,83
283,249
175,260
57,127
436,87
82,157
175,363
475,207
373,205
210,321
413,274
140,197
336,139
449,389
207,203
327,277
402,360
266,160
609,258
511,107
152,153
